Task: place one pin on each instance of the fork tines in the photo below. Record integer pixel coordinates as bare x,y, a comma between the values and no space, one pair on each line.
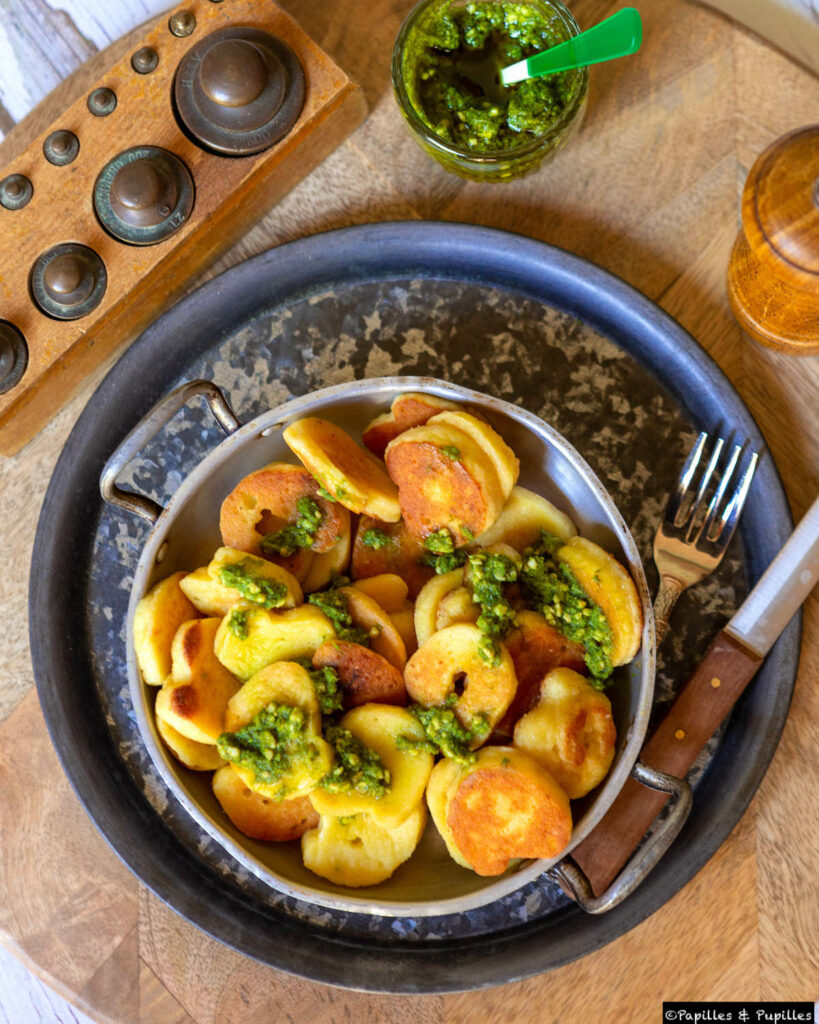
719,521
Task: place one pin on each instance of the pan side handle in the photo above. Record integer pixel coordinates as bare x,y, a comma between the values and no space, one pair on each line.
142,433
575,883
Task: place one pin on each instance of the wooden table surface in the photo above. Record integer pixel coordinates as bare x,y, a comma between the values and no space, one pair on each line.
649,190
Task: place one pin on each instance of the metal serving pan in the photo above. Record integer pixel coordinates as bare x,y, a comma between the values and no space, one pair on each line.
186,533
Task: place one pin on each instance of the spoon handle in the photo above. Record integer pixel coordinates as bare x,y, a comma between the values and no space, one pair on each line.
617,36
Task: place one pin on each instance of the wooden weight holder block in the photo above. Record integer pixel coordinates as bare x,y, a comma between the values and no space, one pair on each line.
246,125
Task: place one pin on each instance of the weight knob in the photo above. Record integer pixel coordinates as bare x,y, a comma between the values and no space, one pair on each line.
773,276
182,23
239,90
15,191
68,281
145,60
143,195
61,147
102,102
13,356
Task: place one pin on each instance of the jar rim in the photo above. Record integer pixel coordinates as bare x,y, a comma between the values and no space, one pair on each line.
494,156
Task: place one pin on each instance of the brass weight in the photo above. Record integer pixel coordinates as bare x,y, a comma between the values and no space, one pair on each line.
68,281
239,91
13,356
143,195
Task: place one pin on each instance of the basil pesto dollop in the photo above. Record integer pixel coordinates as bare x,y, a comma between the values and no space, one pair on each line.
252,585
550,587
358,768
300,534
335,606
451,70
444,733
442,555
237,624
489,574
329,693
375,539
272,743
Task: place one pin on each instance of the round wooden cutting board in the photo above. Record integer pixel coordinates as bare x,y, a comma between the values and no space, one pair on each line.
649,191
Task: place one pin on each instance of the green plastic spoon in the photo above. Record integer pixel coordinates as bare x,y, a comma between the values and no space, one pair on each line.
617,36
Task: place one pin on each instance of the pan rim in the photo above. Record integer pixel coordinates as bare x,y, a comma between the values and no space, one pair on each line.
318,402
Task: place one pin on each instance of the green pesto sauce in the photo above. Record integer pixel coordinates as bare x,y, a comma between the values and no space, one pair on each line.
451,70
489,573
442,555
375,539
328,692
237,624
335,606
552,589
300,534
252,586
358,768
273,742
450,451
444,733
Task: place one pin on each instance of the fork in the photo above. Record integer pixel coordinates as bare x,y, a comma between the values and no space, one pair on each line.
688,547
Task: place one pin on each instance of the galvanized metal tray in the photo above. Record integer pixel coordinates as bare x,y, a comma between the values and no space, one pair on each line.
493,311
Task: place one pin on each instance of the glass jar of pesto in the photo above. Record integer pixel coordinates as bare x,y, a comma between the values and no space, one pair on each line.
446,75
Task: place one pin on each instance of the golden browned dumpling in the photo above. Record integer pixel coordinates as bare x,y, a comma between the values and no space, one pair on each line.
194,697
453,654
408,410
380,727
609,585
365,676
522,520
351,474
570,732
446,481
157,618
267,500
269,636
258,816
367,614
201,757
387,588
287,685
535,648
389,548
502,808
442,602
359,849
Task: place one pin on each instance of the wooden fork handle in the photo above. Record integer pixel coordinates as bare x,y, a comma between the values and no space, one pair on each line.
670,589
693,718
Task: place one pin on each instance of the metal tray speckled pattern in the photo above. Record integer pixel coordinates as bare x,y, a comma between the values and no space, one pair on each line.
493,311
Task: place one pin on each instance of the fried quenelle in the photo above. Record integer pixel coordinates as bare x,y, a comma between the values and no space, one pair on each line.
503,807
454,654
258,816
267,500
460,666
570,732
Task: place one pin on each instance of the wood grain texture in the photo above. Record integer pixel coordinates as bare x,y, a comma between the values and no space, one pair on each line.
650,190
693,718
230,195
